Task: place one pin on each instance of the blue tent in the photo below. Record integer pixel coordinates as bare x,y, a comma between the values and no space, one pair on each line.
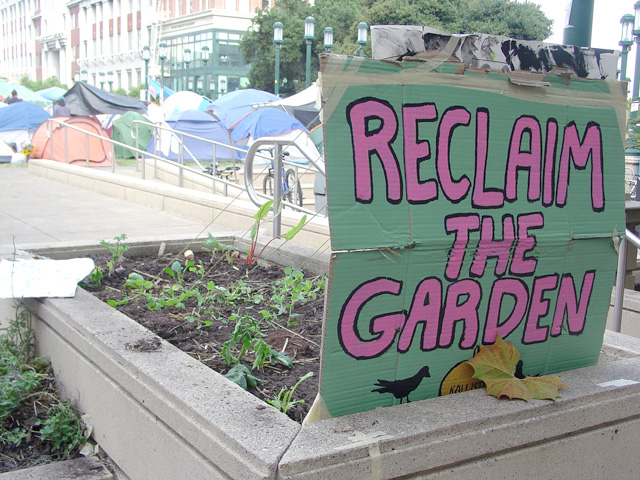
265,122
199,124
22,116
231,107
19,120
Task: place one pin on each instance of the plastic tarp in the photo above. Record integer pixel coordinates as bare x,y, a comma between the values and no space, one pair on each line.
199,124
122,132
19,121
51,93
84,99
72,145
231,107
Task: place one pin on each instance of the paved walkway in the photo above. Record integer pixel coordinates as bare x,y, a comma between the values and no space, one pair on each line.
39,211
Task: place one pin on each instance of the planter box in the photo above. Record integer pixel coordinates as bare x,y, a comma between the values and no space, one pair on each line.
163,415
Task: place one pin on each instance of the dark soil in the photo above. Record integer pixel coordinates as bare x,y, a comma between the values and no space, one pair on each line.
298,336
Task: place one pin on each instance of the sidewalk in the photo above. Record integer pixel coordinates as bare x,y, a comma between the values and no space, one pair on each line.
36,211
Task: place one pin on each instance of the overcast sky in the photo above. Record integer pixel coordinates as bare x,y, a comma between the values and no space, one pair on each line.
606,20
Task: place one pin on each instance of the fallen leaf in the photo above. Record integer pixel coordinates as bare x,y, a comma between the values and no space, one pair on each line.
496,365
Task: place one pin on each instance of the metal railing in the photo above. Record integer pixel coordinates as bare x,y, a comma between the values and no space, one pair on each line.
622,263
142,155
278,165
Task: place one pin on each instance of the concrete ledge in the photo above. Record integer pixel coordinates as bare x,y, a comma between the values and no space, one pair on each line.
228,212
161,414
88,468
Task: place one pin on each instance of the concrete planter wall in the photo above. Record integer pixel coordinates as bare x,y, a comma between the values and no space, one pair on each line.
162,415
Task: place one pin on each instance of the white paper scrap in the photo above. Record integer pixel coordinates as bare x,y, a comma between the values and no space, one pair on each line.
42,278
621,382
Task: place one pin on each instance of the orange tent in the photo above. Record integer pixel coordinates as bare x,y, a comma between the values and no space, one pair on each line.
54,141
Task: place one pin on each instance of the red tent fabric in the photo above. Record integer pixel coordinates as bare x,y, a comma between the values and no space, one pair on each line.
54,141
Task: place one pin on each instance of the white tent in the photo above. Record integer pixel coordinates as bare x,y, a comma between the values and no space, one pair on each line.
6,152
306,98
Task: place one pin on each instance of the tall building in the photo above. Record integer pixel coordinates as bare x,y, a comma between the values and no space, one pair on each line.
101,41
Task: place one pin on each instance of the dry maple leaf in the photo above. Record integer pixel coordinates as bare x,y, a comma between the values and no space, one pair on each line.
496,364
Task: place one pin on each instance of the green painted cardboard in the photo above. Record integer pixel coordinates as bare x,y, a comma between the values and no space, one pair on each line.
427,267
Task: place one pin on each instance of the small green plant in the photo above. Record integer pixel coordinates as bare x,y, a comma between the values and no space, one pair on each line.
116,250
284,400
247,336
259,217
63,428
95,279
294,288
177,271
213,246
242,376
28,404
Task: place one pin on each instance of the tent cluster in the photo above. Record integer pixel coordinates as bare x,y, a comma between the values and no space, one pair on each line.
236,119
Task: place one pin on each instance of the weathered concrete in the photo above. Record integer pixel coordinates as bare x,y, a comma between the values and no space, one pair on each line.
185,419
88,468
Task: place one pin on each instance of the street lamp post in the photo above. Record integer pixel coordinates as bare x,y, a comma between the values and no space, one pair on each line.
187,61
277,40
309,24
636,34
146,56
205,59
102,75
162,55
362,36
84,75
110,80
626,40
328,39
76,76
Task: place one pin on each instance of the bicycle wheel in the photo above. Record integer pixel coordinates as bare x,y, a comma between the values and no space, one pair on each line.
293,192
267,184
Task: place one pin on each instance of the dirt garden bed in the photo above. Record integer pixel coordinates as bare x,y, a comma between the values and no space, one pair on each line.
219,310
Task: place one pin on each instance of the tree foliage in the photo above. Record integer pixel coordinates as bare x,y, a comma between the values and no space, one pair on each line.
35,85
524,21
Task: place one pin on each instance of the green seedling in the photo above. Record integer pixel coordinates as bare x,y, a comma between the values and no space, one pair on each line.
116,250
95,279
240,375
213,246
284,400
247,336
259,217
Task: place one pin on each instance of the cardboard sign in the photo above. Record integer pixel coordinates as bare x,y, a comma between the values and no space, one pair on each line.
463,206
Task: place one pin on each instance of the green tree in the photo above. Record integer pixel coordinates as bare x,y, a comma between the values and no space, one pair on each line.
258,48
524,21
36,85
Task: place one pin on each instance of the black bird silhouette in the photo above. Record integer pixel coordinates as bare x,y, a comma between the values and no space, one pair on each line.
402,388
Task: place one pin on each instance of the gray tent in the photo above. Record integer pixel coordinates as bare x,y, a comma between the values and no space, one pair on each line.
84,99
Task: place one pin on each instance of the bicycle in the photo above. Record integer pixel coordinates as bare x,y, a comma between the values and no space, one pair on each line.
225,172
291,188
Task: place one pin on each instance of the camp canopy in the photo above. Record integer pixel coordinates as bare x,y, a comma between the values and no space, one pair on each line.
19,120
199,124
84,99
231,107
72,145
122,132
